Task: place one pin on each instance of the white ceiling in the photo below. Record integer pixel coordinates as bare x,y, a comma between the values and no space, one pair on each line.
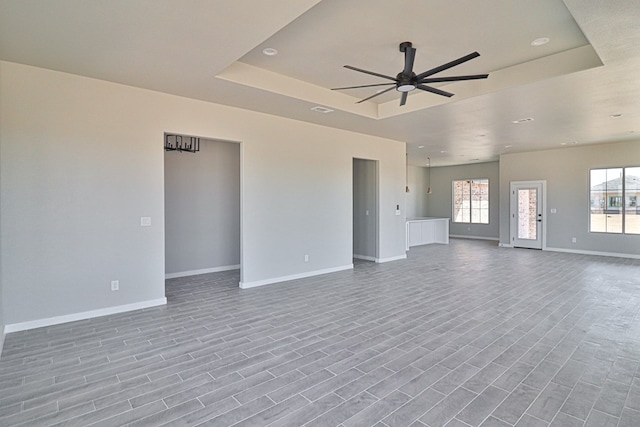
212,50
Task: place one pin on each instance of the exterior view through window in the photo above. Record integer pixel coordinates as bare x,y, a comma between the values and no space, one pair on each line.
471,201
614,194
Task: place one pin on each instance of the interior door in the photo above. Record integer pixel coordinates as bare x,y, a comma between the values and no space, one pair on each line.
527,220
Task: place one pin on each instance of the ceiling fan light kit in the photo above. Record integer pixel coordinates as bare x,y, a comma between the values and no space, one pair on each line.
407,80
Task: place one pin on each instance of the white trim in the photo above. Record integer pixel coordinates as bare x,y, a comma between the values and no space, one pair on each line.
583,252
460,236
202,271
1,339
365,257
247,285
32,324
393,258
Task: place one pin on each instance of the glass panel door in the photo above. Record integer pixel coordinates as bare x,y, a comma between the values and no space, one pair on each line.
526,214
632,201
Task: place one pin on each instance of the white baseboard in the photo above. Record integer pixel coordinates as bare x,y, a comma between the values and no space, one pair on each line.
247,285
460,236
394,258
32,324
505,245
582,252
202,271
365,257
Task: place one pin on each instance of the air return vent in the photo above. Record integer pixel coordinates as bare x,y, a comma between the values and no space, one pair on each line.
525,120
323,110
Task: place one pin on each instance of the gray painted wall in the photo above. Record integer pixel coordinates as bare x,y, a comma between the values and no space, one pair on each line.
566,171
365,209
439,202
202,207
82,161
417,195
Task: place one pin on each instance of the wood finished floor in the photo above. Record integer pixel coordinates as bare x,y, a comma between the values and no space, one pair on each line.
461,335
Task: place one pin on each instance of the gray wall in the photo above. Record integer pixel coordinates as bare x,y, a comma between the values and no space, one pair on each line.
82,161
417,195
202,207
365,201
439,202
566,171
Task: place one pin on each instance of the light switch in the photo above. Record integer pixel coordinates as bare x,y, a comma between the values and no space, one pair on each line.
366,212
397,212
554,210
145,221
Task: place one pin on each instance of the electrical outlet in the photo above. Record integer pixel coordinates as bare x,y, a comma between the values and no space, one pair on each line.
574,240
145,221
306,258
115,285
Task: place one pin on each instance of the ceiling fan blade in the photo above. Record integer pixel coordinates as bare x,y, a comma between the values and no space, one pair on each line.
434,90
375,94
447,65
356,87
370,72
409,57
403,100
453,78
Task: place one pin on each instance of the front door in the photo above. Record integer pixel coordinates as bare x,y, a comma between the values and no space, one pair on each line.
527,220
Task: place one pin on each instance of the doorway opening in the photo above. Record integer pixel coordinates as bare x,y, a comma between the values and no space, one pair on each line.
202,209
365,210
527,219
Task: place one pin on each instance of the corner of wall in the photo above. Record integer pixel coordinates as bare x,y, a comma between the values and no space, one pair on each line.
1,290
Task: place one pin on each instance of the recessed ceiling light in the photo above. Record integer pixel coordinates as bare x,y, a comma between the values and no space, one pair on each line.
563,143
323,110
574,142
269,51
615,116
527,119
508,146
420,146
443,152
540,42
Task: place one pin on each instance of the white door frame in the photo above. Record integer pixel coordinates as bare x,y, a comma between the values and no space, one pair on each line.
513,210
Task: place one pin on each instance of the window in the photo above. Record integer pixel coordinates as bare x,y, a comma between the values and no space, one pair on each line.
614,194
471,201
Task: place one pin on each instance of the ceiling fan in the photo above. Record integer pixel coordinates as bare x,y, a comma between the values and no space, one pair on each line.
407,80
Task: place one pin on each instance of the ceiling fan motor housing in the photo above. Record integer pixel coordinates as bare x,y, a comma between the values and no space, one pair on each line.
406,83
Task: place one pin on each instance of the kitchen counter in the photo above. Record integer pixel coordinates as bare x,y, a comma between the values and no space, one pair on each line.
427,230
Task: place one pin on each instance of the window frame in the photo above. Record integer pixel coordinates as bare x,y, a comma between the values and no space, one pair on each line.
453,200
606,201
